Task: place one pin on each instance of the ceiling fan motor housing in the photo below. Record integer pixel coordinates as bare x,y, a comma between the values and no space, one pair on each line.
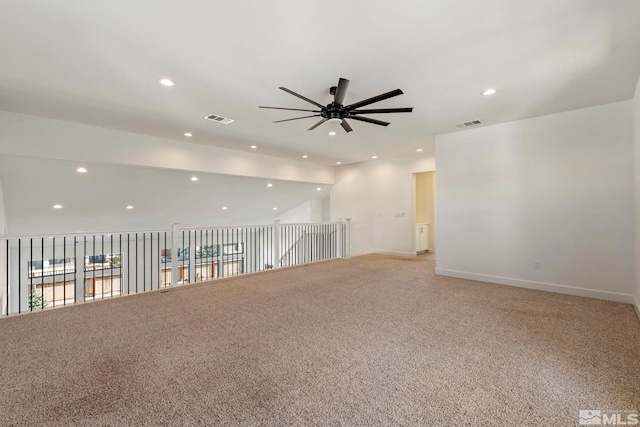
336,114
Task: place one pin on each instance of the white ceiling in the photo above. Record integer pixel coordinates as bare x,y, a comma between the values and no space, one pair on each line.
97,200
100,62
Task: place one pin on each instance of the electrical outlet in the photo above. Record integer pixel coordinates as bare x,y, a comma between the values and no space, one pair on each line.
537,265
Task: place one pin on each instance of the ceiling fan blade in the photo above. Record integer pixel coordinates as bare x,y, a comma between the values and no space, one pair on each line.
374,99
345,126
318,124
301,97
368,120
296,118
290,109
341,91
383,110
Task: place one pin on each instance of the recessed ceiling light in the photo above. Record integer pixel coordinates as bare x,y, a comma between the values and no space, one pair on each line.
488,92
374,157
338,163
332,133
129,207
81,170
254,146
305,156
57,206
319,189
224,208
194,178
166,82
419,149
269,185
188,134
275,209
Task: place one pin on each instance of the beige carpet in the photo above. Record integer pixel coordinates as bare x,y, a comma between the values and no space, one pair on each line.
374,340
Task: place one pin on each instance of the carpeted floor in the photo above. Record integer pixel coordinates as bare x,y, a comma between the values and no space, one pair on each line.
374,340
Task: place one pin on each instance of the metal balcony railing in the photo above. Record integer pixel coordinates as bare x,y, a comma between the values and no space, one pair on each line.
40,272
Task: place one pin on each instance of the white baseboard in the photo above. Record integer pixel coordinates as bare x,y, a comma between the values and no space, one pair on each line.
395,253
637,307
541,286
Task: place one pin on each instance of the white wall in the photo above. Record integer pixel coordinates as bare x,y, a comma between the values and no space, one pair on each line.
375,195
636,139
326,209
26,135
307,212
558,189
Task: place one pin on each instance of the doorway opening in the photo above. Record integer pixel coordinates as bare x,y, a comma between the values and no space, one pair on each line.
425,214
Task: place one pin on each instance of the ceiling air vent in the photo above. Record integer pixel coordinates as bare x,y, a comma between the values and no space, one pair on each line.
468,124
219,119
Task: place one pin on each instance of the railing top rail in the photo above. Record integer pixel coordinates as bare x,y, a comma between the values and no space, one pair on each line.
152,230
225,227
254,226
312,223
80,233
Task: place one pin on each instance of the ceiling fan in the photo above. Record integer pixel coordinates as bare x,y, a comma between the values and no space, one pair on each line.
337,113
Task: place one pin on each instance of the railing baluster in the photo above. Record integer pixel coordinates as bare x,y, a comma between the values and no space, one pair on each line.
182,270
75,272
253,245
260,244
225,237
209,255
120,254
219,253
29,272
144,262
84,266
136,262
53,287
129,265
158,258
110,263
236,250
41,274
324,242
93,264
151,261
64,270
102,258
6,295
19,281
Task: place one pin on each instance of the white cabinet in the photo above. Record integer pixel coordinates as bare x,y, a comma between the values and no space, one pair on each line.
422,237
